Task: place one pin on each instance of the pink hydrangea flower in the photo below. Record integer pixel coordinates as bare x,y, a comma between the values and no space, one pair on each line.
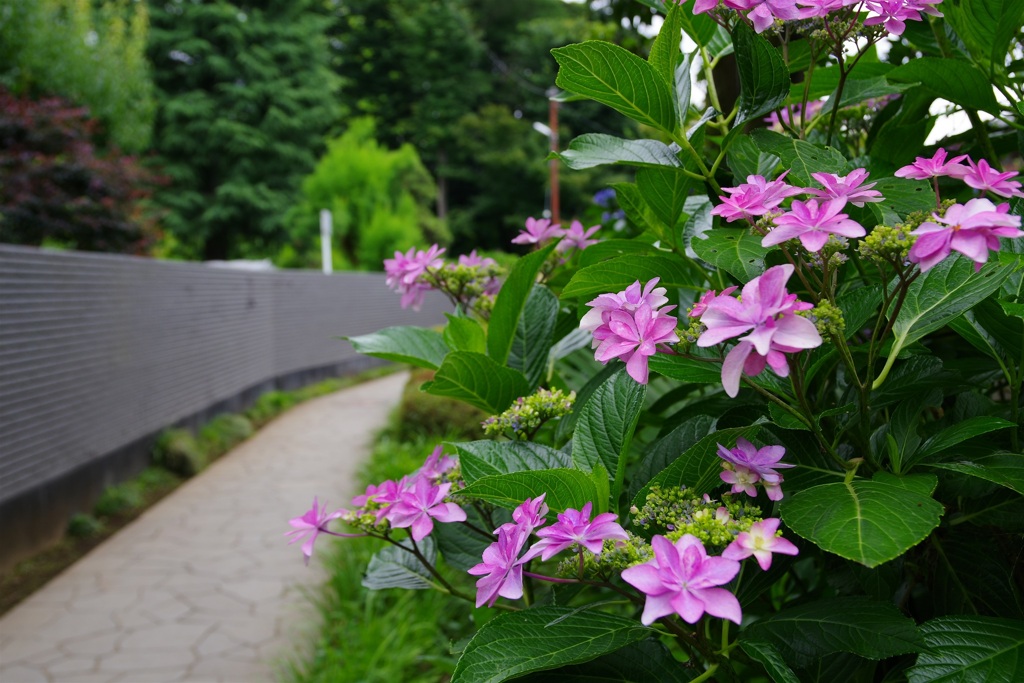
310,525
812,222
385,495
405,271
531,513
681,579
924,168
763,13
576,527
895,13
577,237
474,260
755,197
752,465
634,337
766,314
627,300
821,8
502,568
792,113
436,465
417,509
702,303
983,177
760,542
973,229
850,187
538,231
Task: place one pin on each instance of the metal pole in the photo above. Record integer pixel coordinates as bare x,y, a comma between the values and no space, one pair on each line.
326,255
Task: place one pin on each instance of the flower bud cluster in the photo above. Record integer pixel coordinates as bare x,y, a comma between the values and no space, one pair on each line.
615,556
528,413
887,244
675,512
828,318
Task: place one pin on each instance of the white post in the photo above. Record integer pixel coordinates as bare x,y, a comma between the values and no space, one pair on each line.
325,241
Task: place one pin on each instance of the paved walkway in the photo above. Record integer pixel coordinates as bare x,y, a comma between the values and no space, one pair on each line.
202,587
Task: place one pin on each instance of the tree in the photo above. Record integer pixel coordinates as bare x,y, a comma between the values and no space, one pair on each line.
245,97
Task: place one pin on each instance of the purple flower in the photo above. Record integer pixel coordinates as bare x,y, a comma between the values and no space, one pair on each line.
531,513
627,300
789,114
702,303
311,524
924,168
768,313
538,231
502,569
385,495
577,237
763,13
604,198
472,260
405,271
821,8
575,526
983,177
812,222
849,187
436,465
634,337
755,197
751,465
681,579
760,541
419,508
972,229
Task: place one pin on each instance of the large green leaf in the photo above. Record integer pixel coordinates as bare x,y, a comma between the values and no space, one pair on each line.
460,546
698,468
665,190
638,212
616,77
618,273
985,26
745,159
510,302
870,522
668,448
465,334
597,149
605,427
970,649
736,251
1005,469
534,334
802,158
394,567
856,90
905,196
413,345
764,78
958,433
645,662
955,80
478,380
565,488
517,643
609,249
771,659
941,294
485,458
860,626
685,369
666,52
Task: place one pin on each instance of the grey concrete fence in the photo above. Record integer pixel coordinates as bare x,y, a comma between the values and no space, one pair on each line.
100,353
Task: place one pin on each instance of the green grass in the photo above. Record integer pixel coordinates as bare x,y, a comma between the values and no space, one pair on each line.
382,636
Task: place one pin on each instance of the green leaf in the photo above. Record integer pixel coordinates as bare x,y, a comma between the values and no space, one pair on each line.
616,77
958,433
802,158
904,196
510,302
460,546
857,90
666,52
478,380
534,334
955,80
745,159
1005,469
771,659
698,468
485,458
605,427
970,649
517,643
565,488
920,484
941,294
858,307
609,249
668,448
986,26
683,369
597,149
863,627
701,27
665,190
617,274
637,211
764,78
413,345
393,567
465,334
645,662
736,251
869,522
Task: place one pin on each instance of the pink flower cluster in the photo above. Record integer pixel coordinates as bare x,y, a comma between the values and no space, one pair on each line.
413,503
766,314
747,465
979,175
540,230
501,571
630,324
764,13
405,273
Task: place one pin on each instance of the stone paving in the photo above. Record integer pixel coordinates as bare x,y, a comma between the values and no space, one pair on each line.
203,587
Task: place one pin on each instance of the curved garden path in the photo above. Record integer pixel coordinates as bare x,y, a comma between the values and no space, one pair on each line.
202,587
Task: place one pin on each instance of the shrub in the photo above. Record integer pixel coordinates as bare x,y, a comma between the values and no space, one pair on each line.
180,452
224,432
82,525
120,498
